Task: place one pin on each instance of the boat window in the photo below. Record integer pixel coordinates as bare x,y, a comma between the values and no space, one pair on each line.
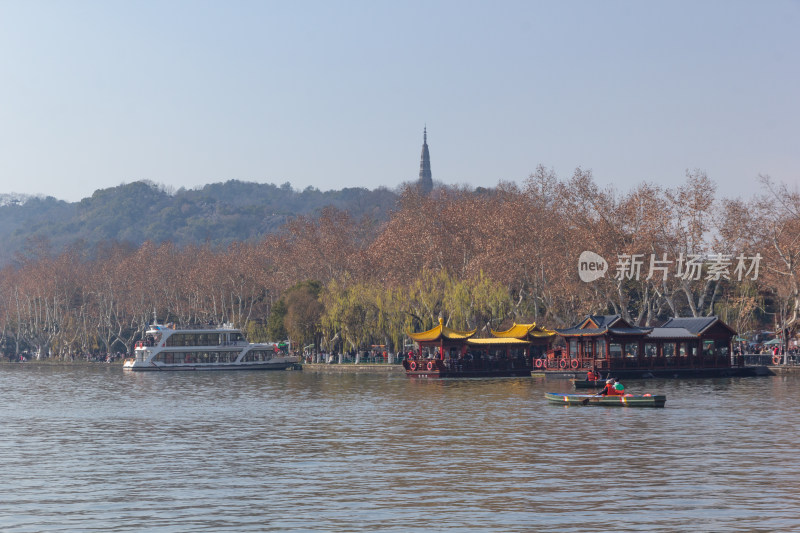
631,349
669,349
708,347
615,349
178,339
573,347
721,347
601,348
194,339
588,347
650,349
258,355
537,351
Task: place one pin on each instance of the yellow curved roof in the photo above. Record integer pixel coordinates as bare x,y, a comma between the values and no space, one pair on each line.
496,342
441,331
520,331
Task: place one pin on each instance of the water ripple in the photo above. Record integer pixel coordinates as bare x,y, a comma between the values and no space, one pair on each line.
96,449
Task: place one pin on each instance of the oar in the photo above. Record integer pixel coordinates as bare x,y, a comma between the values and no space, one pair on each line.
585,401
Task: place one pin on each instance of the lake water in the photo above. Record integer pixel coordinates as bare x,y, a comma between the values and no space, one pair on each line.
90,448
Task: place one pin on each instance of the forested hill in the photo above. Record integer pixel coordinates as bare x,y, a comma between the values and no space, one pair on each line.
217,214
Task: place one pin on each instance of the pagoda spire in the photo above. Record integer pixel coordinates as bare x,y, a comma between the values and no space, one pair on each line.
425,182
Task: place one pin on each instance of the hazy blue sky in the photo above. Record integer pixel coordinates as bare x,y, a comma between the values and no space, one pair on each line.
335,94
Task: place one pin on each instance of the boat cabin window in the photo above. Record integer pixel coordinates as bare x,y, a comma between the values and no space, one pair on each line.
601,348
669,349
615,349
573,347
650,350
537,351
195,339
708,347
259,355
236,337
516,353
631,349
721,347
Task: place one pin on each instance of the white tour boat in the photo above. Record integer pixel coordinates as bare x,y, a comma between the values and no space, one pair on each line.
214,348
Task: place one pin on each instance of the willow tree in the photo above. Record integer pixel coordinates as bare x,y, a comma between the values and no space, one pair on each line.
351,314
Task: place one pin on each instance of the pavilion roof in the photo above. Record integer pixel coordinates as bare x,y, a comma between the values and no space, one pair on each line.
696,325
671,333
597,325
674,328
581,332
441,332
497,341
602,321
522,331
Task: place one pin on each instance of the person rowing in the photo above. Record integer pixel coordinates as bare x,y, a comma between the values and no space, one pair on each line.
592,375
608,390
611,388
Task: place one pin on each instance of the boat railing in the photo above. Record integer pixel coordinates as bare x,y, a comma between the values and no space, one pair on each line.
564,364
771,360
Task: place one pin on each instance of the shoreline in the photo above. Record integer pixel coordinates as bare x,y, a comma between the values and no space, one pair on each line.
346,368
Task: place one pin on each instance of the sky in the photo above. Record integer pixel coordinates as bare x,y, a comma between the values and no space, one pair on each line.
333,94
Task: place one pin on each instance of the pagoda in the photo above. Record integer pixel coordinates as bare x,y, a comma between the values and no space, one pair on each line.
425,182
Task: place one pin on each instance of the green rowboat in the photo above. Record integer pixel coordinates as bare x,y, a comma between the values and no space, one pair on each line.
646,400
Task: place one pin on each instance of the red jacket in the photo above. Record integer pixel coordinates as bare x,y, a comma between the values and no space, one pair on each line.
609,390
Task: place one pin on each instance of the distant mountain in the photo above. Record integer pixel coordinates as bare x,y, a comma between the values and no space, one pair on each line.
217,214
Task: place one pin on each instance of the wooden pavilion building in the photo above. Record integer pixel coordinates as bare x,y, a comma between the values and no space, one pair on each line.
680,347
446,352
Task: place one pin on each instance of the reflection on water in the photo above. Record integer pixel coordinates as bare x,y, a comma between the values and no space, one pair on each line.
93,448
